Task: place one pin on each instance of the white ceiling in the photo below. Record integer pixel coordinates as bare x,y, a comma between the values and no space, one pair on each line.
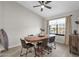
58,7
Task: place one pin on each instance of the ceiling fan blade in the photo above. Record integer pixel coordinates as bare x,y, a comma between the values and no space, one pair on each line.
47,2
48,7
37,6
40,2
41,9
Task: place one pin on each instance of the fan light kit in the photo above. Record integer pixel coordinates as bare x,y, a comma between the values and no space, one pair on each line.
42,6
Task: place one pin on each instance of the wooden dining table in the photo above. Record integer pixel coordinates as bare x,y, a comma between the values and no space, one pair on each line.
35,39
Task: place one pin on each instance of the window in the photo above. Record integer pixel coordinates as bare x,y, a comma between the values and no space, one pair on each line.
57,26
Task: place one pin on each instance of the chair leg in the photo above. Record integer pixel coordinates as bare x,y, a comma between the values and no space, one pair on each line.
36,55
26,51
54,45
21,51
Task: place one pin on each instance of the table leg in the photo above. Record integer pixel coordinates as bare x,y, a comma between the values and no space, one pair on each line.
36,52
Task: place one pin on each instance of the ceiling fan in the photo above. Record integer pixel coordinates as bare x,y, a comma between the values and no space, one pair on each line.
43,4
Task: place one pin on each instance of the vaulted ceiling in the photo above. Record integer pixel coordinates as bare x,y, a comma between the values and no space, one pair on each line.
58,7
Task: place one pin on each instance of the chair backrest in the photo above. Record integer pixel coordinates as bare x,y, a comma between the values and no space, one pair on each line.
23,43
51,39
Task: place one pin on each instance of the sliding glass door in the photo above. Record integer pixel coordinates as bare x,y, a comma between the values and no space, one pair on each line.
57,27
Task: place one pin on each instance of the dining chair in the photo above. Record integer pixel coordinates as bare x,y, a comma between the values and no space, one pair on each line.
25,46
52,42
49,45
42,46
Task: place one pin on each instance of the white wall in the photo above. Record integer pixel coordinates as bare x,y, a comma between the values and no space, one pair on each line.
0,15
19,22
75,16
1,47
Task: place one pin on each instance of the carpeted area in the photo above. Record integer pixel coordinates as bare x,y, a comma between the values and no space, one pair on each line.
60,51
